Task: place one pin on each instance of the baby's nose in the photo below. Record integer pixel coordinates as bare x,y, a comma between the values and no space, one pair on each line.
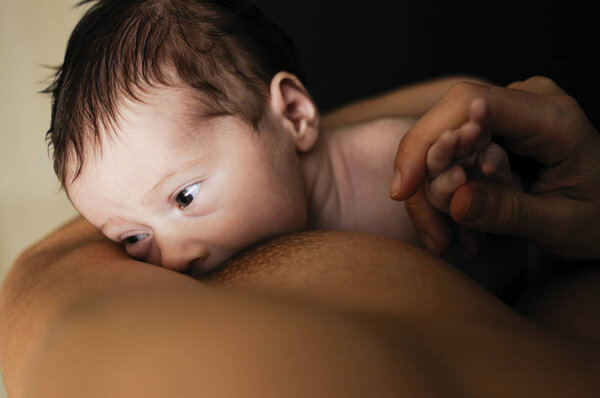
182,257
181,264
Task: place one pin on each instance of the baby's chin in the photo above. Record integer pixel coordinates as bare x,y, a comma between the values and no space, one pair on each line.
218,261
215,260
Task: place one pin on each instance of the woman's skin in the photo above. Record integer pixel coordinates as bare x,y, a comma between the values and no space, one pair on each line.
326,313
560,212
314,314
536,119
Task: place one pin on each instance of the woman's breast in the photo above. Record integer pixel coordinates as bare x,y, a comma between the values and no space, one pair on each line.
353,272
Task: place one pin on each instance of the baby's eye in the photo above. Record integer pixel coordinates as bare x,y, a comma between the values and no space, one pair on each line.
185,197
132,240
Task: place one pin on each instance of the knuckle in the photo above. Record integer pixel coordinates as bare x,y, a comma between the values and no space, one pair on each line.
541,81
411,205
568,116
557,118
416,206
567,103
464,90
515,84
516,214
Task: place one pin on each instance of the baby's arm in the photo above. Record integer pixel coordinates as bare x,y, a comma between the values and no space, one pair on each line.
409,101
464,154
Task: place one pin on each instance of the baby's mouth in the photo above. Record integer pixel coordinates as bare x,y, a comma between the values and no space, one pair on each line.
197,267
213,271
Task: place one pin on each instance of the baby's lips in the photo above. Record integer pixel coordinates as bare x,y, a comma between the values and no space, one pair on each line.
197,267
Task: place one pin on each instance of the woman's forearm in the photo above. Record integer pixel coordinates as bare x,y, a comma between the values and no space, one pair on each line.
409,101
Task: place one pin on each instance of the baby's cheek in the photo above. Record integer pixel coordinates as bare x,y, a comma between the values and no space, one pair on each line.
285,216
274,219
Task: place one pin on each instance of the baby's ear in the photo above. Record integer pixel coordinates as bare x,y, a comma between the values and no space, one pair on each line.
292,104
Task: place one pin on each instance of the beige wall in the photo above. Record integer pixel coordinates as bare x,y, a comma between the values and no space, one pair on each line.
32,33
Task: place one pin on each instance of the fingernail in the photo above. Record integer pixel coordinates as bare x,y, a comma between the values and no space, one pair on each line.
428,243
396,185
476,206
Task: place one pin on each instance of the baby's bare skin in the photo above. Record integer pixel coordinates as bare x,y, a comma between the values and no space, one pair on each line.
187,192
243,186
360,156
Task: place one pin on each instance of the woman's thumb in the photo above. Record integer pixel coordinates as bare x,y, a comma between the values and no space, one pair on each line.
492,207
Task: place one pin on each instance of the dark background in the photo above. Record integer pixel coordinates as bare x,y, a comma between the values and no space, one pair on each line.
352,49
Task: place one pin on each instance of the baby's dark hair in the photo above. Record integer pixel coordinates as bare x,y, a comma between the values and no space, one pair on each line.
227,50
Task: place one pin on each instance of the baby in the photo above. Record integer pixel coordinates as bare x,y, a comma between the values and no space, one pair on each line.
181,130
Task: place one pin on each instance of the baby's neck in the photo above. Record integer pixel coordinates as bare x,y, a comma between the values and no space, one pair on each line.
327,183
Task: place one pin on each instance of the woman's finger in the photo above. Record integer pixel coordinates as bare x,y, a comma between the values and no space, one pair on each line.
433,227
532,123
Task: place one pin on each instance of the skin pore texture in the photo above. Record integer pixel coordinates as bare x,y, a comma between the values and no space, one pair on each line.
188,192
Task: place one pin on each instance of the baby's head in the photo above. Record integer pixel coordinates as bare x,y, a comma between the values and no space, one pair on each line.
176,128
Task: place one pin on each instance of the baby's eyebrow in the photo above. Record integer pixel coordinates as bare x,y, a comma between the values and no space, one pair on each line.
113,221
170,174
161,181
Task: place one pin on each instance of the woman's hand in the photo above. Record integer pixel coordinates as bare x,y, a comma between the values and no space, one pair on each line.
561,210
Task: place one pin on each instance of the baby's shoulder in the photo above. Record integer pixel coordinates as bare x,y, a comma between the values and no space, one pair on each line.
374,135
384,125
368,149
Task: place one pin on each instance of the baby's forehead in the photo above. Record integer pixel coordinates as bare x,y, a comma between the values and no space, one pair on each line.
161,120
156,115
179,104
